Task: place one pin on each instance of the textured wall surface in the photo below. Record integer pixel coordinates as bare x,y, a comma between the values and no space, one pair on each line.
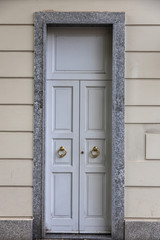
142,101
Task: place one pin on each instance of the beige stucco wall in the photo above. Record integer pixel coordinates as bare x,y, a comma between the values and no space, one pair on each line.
142,182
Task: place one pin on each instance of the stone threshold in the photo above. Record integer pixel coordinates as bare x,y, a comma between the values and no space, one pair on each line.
107,238
78,237
95,238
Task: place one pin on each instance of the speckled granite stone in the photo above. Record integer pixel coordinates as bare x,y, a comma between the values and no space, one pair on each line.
106,238
15,229
79,237
117,20
142,230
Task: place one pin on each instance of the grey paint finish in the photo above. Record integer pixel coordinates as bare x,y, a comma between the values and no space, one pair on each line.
42,19
142,230
16,229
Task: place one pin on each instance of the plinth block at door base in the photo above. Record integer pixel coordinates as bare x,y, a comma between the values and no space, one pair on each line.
16,229
142,230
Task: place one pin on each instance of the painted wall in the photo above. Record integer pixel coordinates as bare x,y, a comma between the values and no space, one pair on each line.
142,183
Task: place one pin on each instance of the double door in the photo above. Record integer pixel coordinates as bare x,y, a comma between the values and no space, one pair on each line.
77,165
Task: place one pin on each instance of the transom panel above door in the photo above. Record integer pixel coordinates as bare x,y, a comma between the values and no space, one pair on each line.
78,131
79,53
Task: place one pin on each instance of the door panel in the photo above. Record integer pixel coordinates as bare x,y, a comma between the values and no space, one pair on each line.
66,160
62,129
62,108
86,46
78,118
100,160
62,195
95,195
95,115
79,53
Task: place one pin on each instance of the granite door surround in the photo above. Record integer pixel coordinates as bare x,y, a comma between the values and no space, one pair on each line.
117,20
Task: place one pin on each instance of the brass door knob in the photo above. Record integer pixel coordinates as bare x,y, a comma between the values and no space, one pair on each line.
95,152
62,152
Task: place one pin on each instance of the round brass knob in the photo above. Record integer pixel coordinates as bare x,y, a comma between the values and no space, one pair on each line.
63,150
95,152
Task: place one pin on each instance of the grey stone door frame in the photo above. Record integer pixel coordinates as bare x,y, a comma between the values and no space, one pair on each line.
117,20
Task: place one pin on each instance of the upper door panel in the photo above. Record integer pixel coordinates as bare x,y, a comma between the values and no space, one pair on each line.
79,53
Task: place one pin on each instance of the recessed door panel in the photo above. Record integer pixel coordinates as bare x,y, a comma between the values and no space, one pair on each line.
62,154
62,195
79,53
62,108
69,46
98,161
96,111
78,131
95,162
68,158
95,200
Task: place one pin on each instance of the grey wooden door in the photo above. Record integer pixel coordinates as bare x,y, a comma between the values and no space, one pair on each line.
78,131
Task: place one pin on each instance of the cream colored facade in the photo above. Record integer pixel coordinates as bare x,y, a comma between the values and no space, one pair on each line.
142,99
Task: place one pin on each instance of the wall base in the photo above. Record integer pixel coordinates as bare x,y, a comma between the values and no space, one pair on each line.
142,230
16,229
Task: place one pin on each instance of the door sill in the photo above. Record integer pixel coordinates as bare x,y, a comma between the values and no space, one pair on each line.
78,236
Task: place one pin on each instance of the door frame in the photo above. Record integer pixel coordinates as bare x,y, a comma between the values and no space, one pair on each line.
117,20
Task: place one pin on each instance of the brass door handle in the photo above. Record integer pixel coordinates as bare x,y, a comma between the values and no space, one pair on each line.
95,149
62,149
